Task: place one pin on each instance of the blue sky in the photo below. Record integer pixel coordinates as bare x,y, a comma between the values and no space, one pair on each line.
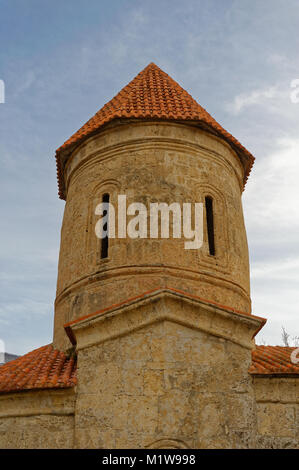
62,60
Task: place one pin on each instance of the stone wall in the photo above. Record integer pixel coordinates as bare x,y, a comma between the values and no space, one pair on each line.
150,162
169,381
164,386
277,412
37,420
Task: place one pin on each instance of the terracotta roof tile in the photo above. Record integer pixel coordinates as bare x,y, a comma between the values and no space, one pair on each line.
42,368
46,368
273,360
152,94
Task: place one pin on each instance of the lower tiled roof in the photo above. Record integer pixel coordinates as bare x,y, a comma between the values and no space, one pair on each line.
270,360
42,368
46,368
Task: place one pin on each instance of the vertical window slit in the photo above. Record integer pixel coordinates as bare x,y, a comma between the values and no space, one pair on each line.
210,224
105,240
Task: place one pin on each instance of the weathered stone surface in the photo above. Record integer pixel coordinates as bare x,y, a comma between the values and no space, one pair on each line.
277,412
150,162
167,370
37,420
164,381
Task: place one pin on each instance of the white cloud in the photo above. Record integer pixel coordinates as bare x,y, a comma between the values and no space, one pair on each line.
288,267
25,83
272,192
23,306
213,51
255,97
272,219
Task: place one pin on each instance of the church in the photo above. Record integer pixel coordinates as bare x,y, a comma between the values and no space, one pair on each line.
153,345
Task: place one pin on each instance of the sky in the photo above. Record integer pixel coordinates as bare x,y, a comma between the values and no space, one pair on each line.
61,61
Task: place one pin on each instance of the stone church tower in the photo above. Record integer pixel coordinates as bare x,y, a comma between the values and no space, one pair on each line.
154,344
153,143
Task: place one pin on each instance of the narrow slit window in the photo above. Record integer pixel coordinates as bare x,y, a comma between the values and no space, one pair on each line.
105,240
210,224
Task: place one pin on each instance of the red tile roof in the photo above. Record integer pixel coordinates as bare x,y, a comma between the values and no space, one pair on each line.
267,360
152,94
46,368
42,368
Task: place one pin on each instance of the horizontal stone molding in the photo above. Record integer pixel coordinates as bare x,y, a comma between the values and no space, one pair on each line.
25,414
276,389
110,144
37,403
100,275
165,305
154,144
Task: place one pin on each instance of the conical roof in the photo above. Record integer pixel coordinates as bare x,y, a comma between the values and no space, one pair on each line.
152,94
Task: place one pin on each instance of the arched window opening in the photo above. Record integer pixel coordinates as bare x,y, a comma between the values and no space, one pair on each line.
105,240
210,224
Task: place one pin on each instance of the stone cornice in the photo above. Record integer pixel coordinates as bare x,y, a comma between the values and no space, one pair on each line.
164,305
38,402
97,146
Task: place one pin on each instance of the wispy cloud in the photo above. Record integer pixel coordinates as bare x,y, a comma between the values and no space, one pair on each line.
272,192
272,220
25,83
59,73
255,97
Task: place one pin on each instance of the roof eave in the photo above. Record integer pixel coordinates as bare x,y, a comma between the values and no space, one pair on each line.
62,153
